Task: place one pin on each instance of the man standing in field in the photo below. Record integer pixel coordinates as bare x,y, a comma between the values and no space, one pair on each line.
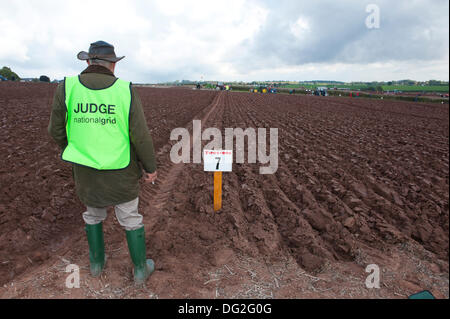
98,121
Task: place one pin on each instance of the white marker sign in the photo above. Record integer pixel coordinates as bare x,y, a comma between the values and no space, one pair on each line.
218,161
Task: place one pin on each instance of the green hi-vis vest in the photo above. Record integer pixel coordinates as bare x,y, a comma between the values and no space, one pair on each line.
97,125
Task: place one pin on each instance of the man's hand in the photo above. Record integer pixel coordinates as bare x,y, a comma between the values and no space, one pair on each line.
150,178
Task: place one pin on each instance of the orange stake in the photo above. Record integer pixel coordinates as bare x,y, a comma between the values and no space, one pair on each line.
217,191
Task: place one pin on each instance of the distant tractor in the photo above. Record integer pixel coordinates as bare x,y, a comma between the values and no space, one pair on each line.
321,91
264,89
220,86
258,89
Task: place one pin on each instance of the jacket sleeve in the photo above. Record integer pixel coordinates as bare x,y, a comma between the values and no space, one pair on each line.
57,125
140,135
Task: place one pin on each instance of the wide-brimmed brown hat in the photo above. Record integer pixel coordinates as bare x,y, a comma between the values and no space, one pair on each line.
100,50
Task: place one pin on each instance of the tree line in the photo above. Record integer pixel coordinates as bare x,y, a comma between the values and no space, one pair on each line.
10,75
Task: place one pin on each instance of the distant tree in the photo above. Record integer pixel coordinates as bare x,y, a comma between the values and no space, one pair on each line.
10,75
436,82
44,78
379,88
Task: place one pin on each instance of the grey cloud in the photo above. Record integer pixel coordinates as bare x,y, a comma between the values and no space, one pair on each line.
413,30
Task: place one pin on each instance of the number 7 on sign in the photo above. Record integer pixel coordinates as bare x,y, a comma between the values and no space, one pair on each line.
218,162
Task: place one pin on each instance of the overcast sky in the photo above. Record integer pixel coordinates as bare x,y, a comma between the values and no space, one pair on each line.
166,40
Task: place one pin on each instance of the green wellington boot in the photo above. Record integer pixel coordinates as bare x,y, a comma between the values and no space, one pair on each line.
96,248
143,267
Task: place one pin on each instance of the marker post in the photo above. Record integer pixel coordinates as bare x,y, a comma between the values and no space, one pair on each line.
217,162
217,191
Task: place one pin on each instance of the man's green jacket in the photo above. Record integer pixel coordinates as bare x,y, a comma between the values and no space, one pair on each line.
107,188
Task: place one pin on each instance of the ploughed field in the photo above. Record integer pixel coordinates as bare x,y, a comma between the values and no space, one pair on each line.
359,182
